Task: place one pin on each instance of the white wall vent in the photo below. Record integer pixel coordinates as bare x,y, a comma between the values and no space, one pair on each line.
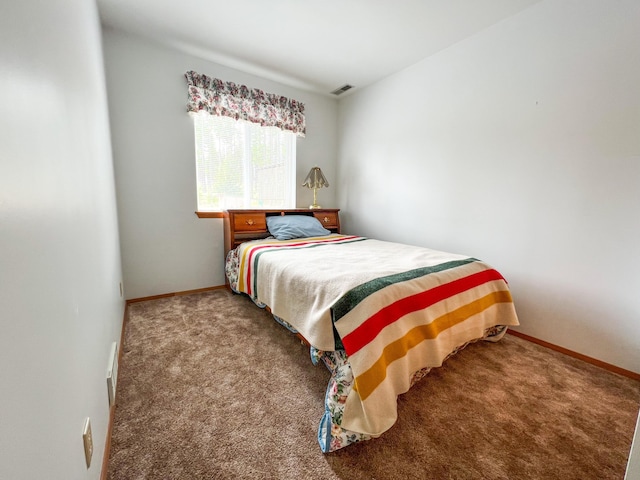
112,373
342,89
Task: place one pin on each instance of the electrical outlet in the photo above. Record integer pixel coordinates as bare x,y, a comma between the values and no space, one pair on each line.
87,440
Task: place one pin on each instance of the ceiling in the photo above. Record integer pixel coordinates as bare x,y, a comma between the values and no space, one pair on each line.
316,45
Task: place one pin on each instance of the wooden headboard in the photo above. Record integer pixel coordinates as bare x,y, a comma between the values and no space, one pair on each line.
244,225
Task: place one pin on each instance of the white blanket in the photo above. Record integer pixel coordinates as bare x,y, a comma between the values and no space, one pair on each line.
395,309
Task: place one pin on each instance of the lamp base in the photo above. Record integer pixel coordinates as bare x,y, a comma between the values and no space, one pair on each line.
314,206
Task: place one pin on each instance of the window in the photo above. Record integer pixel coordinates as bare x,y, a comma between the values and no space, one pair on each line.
245,145
243,165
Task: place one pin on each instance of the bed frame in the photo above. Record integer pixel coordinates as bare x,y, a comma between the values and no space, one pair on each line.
244,225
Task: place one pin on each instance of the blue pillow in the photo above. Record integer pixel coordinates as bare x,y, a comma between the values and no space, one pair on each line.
286,227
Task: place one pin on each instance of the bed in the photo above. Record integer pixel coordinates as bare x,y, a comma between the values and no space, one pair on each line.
378,315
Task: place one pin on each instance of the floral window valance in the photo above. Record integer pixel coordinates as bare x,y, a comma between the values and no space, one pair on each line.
242,103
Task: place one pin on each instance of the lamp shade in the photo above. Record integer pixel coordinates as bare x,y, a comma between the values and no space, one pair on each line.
315,179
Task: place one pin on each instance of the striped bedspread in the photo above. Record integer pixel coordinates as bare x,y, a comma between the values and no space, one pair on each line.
393,308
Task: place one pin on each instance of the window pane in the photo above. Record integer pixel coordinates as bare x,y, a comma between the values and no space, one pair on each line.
243,165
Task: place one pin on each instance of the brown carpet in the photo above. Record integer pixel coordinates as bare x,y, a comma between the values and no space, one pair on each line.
210,387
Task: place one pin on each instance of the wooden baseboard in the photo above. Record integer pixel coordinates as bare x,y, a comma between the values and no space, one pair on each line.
579,356
112,409
175,294
107,446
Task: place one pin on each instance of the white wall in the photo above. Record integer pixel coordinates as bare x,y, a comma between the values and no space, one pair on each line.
520,146
165,247
60,305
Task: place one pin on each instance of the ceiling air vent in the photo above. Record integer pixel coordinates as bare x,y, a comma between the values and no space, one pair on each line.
342,89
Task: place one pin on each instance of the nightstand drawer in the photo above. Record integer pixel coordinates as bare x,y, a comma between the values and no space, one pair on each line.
328,220
243,222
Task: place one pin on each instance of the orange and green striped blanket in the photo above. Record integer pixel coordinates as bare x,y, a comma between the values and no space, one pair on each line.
393,308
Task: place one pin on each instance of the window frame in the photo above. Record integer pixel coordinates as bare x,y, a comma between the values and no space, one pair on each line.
291,180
